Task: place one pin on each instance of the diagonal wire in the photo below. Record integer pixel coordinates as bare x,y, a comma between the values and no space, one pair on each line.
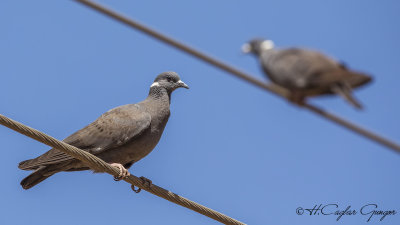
240,74
98,164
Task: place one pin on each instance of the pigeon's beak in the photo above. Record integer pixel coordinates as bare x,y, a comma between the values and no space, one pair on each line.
246,48
182,84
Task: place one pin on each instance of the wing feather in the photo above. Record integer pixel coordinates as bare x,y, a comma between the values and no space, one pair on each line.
112,129
298,68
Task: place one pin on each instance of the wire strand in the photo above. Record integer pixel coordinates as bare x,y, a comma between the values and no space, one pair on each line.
240,74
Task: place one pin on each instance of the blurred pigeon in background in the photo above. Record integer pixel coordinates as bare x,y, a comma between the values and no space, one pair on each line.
305,72
121,136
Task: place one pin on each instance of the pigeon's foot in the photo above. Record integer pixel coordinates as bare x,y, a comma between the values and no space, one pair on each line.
146,182
123,173
297,98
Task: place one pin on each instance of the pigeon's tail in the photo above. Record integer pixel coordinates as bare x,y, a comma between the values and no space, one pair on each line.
36,177
344,90
352,79
356,79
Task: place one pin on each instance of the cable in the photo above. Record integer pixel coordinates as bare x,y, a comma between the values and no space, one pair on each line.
238,73
99,165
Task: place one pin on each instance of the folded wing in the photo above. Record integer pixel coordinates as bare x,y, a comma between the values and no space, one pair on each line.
112,129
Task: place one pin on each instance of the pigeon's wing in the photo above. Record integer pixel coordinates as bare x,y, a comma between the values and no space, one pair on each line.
298,68
112,129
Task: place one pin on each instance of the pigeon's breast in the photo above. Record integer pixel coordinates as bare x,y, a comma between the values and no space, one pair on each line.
134,150
141,145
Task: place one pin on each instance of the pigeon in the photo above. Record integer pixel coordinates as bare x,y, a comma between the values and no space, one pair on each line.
121,136
306,72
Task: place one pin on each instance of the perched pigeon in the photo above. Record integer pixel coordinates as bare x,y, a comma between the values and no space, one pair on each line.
121,136
305,72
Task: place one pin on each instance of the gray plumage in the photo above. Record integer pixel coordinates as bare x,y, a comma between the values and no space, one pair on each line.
122,135
305,72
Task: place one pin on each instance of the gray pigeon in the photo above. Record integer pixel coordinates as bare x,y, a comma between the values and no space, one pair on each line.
305,72
121,136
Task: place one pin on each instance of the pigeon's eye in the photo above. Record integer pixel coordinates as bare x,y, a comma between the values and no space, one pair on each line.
169,79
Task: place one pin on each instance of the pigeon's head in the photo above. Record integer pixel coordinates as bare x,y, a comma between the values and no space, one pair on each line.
256,46
169,81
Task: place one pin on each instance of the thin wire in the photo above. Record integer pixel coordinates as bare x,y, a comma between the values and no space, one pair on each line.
98,164
238,73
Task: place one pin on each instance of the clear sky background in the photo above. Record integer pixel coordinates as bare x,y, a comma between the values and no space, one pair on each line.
227,145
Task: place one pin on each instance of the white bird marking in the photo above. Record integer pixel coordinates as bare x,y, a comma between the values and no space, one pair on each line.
155,84
267,45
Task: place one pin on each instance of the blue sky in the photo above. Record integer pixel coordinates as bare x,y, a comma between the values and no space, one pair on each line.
227,145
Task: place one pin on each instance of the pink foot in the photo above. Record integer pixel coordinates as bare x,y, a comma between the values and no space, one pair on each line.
123,173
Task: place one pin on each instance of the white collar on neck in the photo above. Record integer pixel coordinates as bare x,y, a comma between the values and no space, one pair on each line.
155,84
267,45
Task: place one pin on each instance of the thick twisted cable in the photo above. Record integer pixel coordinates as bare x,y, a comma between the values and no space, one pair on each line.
99,165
